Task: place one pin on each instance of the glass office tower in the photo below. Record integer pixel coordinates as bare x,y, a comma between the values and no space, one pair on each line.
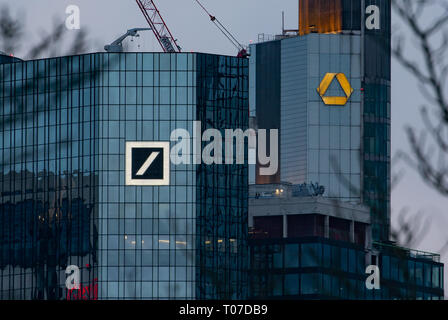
64,201
343,146
327,90
304,246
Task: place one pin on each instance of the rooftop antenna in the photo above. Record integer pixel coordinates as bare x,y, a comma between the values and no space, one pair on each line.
283,23
117,45
287,32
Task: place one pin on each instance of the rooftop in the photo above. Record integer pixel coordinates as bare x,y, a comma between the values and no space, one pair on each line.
409,253
285,198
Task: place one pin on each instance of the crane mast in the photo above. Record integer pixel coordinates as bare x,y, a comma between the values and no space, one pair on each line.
242,52
158,26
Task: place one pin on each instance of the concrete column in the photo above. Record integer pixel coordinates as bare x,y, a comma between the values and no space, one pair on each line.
327,227
352,231
285,226
368,237
251,221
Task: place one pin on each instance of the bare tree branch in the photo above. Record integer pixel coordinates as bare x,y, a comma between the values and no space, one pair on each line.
429,146
11,31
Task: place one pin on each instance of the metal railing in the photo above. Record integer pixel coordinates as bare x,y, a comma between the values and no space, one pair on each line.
412,253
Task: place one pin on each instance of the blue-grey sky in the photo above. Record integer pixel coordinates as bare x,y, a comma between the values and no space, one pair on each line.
107,19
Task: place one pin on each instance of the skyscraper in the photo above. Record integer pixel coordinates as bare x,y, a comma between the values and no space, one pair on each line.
328,92
305,246
326,87
77,137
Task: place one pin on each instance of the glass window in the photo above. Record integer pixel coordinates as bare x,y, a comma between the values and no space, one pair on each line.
131,78
345,138
165,62
131,95
148,61
277,285
352,261
148,96
394,269
314,137
335,286
181,97
313,160
324,162
355,138
164,95
313,65
310,255
427,271
164,210
131,61
148,79
385,267
114,95
182,61
277,257
327,256
291,284
164,78
324,135
344,259
310,283
291,256
335,135
435,277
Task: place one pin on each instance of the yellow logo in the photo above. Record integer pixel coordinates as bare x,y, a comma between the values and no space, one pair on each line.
345,85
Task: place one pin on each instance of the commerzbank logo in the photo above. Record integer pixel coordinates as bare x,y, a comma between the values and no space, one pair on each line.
345,85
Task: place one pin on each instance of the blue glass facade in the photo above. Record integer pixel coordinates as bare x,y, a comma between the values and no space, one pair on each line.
318,142
344,147
222,190
65,123
377,121
318,268
307,268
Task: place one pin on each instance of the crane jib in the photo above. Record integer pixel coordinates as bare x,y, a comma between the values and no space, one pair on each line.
158,26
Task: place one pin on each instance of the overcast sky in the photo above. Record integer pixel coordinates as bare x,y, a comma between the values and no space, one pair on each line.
105,20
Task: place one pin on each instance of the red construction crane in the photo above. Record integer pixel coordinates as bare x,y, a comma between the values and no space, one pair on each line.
158,26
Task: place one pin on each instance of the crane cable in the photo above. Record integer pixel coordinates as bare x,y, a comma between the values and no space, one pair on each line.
221,27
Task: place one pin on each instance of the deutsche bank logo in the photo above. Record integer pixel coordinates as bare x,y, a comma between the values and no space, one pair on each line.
147,163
